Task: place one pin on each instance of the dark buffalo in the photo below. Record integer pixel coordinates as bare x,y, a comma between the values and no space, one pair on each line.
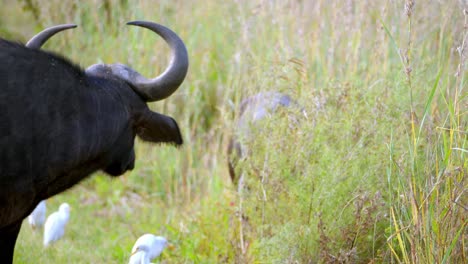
248,127
252,111
59,123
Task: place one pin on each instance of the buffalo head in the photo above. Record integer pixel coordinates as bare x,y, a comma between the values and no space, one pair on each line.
252,111
135,91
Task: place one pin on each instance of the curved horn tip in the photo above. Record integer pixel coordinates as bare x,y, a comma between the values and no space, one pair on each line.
62,26
70,25
146,24
138,22
40,38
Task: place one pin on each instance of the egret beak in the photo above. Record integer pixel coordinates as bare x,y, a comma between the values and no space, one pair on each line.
170,246
136,251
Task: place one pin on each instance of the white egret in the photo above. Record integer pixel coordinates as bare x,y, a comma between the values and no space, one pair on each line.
146,248
37,218
54,227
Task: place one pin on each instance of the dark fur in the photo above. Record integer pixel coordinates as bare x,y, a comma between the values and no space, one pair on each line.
57,126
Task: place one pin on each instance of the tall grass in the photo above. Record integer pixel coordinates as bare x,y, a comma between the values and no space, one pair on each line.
375,173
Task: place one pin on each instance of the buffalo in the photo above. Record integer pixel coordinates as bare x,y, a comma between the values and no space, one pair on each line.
252,110
60,123
248,126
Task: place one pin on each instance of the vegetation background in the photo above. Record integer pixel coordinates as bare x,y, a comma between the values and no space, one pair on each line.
376,173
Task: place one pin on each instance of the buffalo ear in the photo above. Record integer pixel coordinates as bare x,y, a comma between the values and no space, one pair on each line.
157,128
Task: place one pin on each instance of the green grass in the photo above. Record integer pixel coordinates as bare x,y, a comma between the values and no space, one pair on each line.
377,172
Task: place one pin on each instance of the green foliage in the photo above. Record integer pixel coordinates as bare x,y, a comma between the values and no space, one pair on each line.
376,172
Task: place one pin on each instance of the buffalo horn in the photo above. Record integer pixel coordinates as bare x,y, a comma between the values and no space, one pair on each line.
40,38
165,84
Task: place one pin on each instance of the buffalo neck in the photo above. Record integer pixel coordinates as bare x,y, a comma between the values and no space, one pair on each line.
84,133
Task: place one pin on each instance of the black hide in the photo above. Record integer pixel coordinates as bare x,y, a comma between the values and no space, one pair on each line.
59,125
